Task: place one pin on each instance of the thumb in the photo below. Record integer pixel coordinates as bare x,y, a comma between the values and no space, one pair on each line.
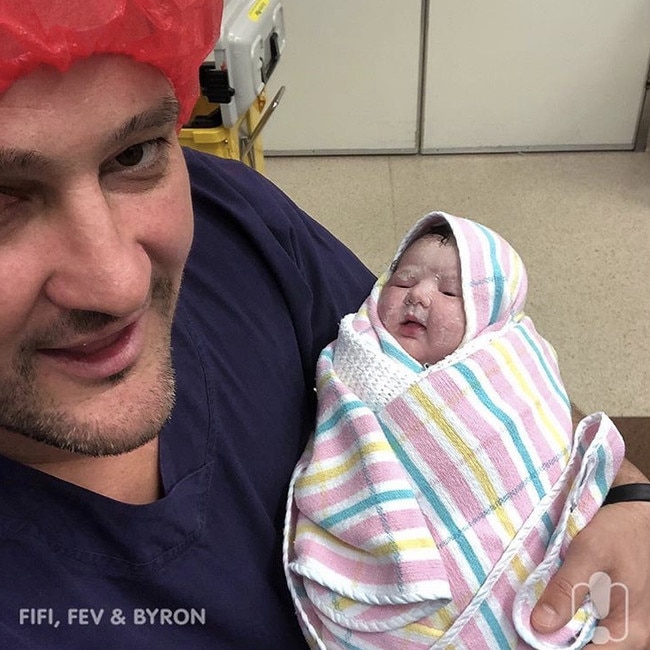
563,595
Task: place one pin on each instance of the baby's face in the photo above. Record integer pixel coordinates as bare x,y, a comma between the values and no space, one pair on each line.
422,303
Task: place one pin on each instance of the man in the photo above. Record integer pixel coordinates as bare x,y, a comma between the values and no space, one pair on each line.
144,490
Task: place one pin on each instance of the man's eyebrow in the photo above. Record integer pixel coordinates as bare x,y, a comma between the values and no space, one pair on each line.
15,161
165,113
19,160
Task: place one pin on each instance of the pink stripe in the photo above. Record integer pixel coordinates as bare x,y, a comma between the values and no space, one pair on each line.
448,471
399,520
351,486
444,470
539,379
473,637
380,641
497,443
369,570
535,439
351,434
491,546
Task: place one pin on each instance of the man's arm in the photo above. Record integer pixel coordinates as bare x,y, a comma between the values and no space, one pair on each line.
598,548
630,474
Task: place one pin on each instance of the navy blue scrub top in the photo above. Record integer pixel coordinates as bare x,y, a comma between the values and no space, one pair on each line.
264,289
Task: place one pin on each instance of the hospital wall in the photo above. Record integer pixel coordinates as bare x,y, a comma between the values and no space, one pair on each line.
439,76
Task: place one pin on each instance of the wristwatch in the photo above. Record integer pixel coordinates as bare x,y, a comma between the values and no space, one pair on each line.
628,492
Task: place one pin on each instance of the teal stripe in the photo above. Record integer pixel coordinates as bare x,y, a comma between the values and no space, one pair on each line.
399,355
342,411
542,362
427,491
548,522
601,472
498,278
328,353
507,421
373,501
495,628
343,643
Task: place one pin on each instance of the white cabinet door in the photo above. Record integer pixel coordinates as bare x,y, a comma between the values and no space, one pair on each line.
351,70
534,74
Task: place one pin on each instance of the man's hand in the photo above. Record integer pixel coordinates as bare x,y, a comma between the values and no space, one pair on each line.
616,542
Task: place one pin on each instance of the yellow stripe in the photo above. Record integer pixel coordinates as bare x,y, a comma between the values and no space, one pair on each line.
316,477
443,618
572,527
324,379
305,528
515,273
403,545
468,455
341,602
533,397
308,528
424,630
519,569
581,616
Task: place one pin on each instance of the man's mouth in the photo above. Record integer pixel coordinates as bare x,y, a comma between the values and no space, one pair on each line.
98,357
90,347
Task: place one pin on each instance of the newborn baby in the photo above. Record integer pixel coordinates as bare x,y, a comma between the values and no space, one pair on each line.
444,480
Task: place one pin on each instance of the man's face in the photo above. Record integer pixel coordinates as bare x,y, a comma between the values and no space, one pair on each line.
95,228
422,303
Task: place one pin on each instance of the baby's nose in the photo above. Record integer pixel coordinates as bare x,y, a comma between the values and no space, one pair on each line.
419,295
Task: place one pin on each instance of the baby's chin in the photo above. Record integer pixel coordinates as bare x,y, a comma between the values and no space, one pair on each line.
416,350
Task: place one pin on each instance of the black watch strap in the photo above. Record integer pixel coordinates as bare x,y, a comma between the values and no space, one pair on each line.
629,492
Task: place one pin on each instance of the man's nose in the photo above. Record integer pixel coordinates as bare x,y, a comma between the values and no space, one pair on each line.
98,263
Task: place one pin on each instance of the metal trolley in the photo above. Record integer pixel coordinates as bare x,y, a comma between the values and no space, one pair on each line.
233,109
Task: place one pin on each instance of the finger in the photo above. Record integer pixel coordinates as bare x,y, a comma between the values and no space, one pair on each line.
562,596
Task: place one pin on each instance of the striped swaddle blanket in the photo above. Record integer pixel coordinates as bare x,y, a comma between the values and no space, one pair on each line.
433,504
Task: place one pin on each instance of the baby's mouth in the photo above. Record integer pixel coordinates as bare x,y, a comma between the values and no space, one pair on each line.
413,319
411,326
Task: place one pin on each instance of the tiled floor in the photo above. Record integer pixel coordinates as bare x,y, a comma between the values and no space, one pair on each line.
581,222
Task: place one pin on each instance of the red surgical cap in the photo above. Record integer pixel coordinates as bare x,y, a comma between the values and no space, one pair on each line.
174,36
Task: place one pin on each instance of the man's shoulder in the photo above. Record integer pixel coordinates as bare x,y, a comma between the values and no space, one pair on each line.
227,194
213,175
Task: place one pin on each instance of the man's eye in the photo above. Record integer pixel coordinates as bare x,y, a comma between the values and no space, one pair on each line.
140,157
11,199
132,156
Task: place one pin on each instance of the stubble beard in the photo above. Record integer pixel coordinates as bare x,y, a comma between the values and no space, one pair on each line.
26,411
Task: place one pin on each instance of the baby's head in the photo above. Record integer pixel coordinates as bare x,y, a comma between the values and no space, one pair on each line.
421,304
